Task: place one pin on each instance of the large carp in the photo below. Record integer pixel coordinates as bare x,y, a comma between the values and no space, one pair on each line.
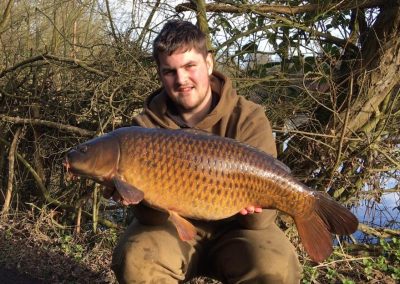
200,176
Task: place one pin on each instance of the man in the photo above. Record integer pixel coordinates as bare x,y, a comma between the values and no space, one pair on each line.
247,248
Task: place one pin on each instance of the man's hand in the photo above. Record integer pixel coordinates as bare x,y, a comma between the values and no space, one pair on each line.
250,210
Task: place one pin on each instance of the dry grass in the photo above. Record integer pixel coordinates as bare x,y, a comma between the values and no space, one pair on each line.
32,244
35,247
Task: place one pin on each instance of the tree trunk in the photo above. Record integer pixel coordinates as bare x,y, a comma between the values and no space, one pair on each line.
377,74
202,20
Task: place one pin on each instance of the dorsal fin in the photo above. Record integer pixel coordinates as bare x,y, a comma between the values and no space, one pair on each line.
283,166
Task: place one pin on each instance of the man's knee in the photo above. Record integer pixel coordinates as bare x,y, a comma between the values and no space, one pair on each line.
276,259
128,263
257,256
149,255
136,263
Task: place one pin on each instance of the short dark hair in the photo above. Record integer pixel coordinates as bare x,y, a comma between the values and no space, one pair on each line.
177,34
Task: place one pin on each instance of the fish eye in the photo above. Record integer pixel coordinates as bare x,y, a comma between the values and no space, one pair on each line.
82,148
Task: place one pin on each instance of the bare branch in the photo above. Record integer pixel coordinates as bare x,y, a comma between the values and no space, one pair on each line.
305,133
112,26
11,162
60,126
6,15
39,182
281,9
148,22
45,56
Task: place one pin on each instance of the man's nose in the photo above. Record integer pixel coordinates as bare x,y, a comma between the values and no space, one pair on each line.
181,76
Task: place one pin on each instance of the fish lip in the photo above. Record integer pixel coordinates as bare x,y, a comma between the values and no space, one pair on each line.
67,167
66,164
72,175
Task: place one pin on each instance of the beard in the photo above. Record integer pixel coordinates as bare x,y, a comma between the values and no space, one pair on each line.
187,103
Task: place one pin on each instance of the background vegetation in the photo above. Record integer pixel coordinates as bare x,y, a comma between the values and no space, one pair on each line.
326,72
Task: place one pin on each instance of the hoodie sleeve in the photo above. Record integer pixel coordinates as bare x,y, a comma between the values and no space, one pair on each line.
256,131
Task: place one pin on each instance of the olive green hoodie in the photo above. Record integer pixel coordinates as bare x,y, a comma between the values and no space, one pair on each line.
232,116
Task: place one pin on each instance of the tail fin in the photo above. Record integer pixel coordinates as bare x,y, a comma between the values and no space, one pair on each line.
315,230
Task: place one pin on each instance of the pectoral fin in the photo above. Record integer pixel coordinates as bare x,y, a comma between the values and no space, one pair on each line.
129,193
185,229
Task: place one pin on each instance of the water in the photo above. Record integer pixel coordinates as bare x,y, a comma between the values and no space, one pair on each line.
381,213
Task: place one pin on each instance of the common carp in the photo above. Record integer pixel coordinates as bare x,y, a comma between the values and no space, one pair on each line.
196,175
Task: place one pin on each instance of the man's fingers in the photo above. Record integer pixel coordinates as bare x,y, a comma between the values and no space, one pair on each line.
250,210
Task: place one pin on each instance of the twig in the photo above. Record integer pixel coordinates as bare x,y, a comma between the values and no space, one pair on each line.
328,264
341,249
387,156
343,134
148,22
78,220
282,130
95,206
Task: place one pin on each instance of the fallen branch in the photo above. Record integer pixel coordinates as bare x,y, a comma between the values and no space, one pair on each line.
45,56
51,124
36,177
378,232
11,163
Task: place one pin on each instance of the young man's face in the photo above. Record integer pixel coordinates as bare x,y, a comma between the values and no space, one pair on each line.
185,77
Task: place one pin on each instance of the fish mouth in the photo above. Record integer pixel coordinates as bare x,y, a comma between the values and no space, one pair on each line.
69,174
66,164
73,174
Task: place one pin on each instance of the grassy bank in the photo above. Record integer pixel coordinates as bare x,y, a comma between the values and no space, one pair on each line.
34,244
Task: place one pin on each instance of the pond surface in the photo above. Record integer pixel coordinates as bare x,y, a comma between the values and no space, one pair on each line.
382,214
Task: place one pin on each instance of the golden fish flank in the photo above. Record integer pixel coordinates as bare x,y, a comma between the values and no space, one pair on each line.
207,177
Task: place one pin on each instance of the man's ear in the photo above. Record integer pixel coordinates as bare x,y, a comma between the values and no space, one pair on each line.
210,63
158,72
159,75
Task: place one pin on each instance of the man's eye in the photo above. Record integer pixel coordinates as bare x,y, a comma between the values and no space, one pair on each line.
167,72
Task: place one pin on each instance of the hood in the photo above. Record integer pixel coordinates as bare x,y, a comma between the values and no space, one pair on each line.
156,104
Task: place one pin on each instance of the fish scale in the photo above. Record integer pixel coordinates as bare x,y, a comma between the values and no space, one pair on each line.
190,174
174,175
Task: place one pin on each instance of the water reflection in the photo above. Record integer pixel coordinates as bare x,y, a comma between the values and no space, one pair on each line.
384,213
